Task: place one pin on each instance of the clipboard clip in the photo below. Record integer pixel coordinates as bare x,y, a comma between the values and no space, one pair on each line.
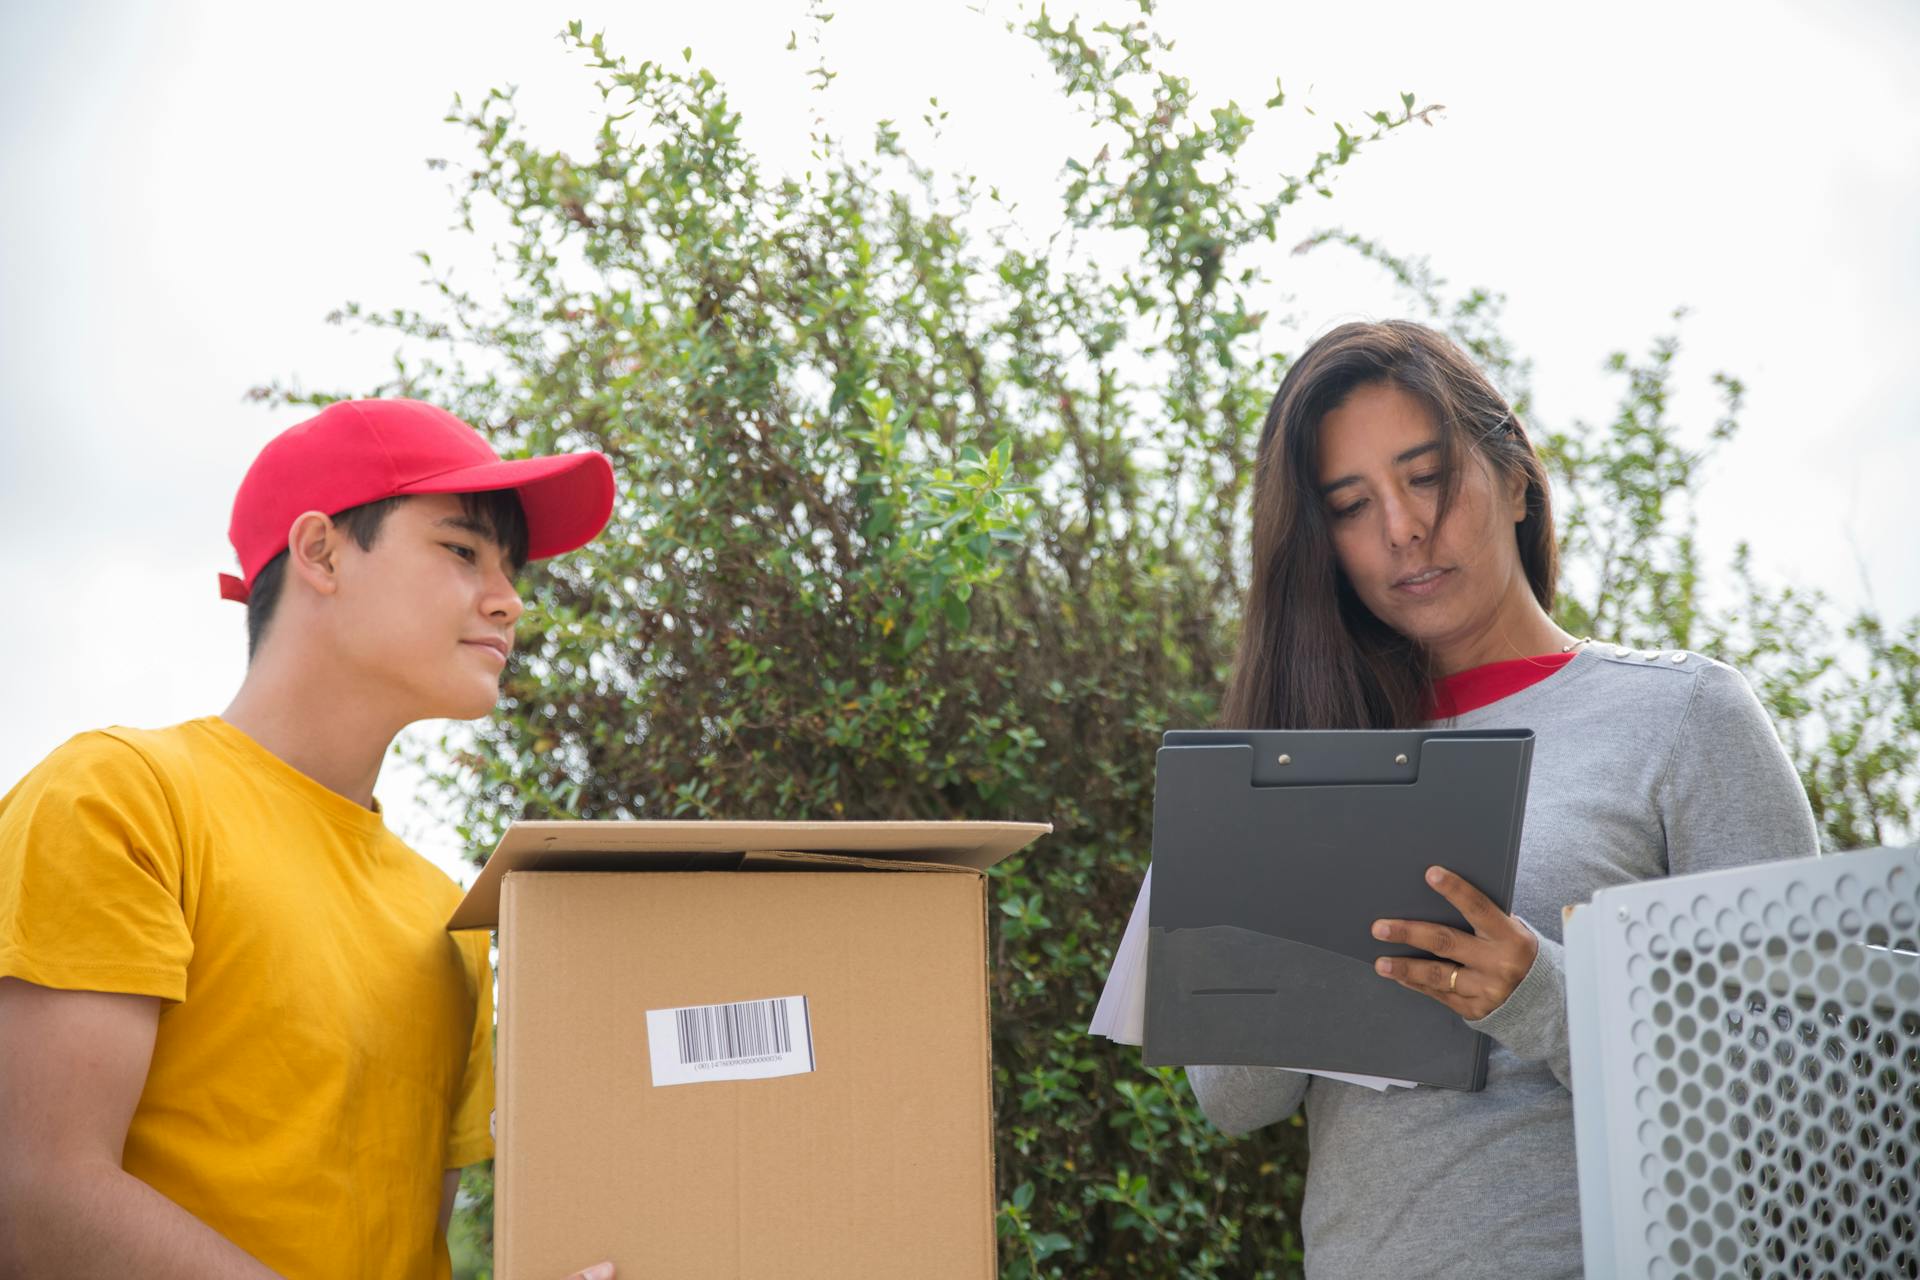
1337,762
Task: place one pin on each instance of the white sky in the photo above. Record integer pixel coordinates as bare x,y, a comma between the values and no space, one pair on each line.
186,190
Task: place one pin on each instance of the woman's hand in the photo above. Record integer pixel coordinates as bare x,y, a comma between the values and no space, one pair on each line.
1476,971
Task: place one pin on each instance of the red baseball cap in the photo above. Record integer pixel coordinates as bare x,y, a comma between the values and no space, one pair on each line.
359,451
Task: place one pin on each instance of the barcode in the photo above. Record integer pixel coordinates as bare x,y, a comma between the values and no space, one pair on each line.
723,1032
745,1040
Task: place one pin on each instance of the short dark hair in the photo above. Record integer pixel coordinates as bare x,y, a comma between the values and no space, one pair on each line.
498,509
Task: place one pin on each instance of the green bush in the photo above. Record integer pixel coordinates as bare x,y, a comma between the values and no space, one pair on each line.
921,519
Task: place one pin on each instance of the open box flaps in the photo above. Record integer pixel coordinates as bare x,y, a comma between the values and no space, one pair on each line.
744,1050
735,846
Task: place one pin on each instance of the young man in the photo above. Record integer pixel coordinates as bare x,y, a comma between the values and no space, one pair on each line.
236,1039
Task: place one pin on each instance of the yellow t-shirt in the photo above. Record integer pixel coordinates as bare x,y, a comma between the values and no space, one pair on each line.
324,1048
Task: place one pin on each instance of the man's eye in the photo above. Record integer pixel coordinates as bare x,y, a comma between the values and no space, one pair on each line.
465,553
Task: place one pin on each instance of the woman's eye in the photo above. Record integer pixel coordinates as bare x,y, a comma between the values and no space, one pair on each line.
1432,477
1347,513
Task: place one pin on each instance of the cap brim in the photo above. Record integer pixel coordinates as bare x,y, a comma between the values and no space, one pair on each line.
568,498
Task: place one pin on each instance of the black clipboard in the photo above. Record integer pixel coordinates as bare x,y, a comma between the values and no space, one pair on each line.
1274,851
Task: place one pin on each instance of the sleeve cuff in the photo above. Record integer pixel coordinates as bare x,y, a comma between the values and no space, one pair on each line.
466,1149
165,981
1532,1022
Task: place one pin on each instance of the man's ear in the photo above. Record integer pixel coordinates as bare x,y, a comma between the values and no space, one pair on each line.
313,544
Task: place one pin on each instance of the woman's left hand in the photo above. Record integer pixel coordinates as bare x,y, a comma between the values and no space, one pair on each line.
1477,971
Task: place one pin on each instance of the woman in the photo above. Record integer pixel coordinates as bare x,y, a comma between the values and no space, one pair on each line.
1403,570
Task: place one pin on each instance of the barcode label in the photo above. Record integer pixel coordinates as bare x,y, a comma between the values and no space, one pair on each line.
746,1040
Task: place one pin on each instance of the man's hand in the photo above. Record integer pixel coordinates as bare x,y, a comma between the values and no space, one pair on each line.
1476,971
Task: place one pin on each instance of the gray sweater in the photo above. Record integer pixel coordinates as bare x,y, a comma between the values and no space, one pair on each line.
1645,764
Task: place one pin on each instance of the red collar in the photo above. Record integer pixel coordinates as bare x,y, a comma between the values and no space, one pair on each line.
1469,690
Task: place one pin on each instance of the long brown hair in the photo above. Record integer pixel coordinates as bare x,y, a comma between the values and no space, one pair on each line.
1311,655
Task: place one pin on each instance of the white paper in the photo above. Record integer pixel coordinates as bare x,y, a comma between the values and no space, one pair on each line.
1121,1015
1379,1084
746,1040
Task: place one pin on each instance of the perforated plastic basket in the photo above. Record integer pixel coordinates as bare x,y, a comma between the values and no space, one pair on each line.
1746,1061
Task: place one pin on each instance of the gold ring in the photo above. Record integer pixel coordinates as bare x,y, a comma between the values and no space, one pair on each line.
1453,978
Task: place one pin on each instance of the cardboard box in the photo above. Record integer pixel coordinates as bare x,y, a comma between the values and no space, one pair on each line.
840,967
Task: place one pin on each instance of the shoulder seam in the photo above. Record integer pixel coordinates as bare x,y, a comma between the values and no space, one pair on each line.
1680,731
1663,663
167,793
